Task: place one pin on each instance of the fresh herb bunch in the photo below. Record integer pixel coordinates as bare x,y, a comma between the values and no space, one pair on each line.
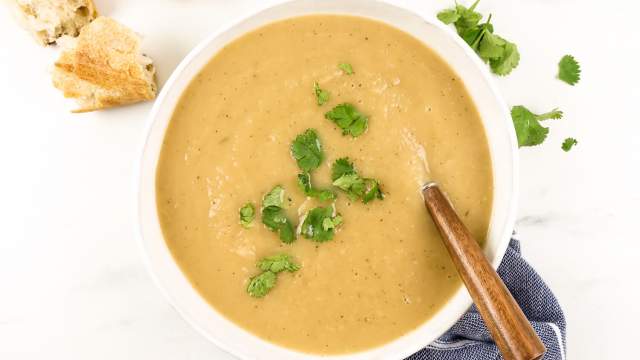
501,54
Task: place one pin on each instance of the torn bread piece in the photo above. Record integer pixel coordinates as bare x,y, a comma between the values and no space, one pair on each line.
47,20
103,67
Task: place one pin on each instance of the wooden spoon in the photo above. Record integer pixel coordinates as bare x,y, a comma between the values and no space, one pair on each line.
509,328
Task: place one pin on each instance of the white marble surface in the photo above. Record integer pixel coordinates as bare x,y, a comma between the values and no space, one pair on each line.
72,283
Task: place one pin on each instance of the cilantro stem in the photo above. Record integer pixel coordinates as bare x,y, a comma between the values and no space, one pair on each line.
553,114
485,26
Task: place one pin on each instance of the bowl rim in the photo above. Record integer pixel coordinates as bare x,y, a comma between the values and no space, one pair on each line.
465,300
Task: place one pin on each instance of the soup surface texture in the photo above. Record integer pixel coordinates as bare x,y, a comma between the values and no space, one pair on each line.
386,271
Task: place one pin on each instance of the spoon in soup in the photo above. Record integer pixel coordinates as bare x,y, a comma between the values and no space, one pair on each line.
510,329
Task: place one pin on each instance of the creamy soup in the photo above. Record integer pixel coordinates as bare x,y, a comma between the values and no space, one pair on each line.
386,271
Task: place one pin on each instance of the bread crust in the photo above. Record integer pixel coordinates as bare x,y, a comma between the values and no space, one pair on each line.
103,67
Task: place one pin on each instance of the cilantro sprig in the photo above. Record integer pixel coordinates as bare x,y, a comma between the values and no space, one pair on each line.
501,55
278,263
247,214
274,216
306,149
349,119
262,283
320,224
569,70
304,183
346,178
527,124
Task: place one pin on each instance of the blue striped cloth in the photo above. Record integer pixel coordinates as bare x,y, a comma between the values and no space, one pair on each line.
469,339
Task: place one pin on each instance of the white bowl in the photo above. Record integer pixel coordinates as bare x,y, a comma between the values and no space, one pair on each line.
502,144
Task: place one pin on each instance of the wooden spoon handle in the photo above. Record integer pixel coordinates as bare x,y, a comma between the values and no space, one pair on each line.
509,328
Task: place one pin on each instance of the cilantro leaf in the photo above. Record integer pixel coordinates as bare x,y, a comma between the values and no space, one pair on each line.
319,224
307,150
568,144
527,125
509,60
331,223
349,119
346,178
278,263
569,70
448,16
275,197
304,182
274,217
322,96
346,67
352,184
276,220
261,284
491,46
341,167
247,213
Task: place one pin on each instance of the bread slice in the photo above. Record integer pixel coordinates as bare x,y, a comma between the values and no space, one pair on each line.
49,19
103,67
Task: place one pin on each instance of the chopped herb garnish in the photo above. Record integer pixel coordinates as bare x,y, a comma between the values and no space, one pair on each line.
371,190
320,223
346,178
304,182
568,144
307,150
352,184
569,70
247,214
274,216
527,125
349,119
261,284
502,55
275,197
346,67
278,263
322,96
341,167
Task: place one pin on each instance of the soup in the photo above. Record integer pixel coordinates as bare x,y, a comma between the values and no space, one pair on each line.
386,271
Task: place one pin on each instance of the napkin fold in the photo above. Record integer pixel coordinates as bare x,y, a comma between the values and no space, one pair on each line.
469,338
